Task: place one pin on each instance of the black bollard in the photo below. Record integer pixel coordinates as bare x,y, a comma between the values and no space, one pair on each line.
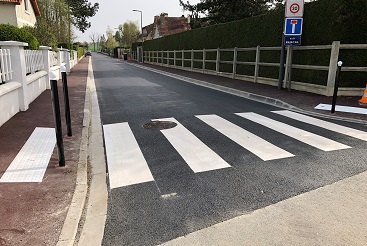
336,86
56,109
66,100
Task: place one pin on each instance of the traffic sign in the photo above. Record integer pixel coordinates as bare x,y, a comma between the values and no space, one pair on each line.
294,8
292,40
293,26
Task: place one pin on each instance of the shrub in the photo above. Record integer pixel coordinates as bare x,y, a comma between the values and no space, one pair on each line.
80,51
12,33
44,37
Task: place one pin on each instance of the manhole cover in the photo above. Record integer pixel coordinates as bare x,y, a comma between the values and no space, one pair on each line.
159,125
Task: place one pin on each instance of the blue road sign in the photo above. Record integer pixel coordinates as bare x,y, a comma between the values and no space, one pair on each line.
292,40
293,26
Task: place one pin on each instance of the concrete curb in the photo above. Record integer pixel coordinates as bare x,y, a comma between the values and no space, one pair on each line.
71,223
96,206
247,95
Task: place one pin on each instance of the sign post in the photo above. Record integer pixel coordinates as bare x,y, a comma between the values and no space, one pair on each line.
292,31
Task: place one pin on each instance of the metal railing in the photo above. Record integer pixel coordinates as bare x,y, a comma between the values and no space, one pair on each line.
34,61
6,72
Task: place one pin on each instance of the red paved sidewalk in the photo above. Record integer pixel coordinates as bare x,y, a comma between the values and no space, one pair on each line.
34,213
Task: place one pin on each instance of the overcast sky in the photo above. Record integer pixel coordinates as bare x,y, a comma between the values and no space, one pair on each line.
114,12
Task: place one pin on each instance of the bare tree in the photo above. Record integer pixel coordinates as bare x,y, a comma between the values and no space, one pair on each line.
94,37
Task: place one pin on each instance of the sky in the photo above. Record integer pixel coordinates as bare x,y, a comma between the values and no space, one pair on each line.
112,13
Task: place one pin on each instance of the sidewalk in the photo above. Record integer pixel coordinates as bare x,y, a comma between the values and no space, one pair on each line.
34,213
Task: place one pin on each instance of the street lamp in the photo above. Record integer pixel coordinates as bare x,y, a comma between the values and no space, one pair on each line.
141,22
141,26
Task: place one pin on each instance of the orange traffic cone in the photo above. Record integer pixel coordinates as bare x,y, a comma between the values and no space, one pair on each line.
363,100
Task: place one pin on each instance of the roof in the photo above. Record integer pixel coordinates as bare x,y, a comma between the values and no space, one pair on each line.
33,2
171,25
149,29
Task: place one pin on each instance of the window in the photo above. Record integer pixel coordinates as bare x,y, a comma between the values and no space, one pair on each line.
26,6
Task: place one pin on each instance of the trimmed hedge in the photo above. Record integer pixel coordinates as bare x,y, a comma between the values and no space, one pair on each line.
325,21
81,51
12,33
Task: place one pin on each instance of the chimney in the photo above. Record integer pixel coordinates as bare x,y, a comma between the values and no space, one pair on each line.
188,19
162,16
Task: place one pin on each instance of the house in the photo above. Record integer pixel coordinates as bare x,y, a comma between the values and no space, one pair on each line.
148,32
164,26
19,12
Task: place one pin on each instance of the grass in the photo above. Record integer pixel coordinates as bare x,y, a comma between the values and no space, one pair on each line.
91,47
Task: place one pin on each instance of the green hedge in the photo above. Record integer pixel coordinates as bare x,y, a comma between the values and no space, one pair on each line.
325,21
81,51
12,33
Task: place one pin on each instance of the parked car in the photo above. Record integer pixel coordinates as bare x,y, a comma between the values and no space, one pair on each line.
88,53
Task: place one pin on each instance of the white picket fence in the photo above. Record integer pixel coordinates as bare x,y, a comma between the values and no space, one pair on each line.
24,74
6,72
33,61
53,58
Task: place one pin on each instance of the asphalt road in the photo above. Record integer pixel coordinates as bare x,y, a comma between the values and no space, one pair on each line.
179,201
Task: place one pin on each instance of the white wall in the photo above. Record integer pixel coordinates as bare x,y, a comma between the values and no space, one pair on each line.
25,18
36,85
9,103
8,14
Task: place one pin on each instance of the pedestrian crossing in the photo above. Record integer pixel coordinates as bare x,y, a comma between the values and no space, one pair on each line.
127,165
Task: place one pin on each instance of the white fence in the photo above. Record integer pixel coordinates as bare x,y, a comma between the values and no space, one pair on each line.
53,58
5,66
24,74
197,60
33,61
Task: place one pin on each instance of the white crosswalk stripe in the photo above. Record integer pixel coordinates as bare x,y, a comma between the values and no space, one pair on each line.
31,162
125,161
258,146
324,124
197,155
309,138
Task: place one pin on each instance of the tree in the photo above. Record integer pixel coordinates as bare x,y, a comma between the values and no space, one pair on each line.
80,11
118,38
94,37
53,27
111,42
130,32
220,11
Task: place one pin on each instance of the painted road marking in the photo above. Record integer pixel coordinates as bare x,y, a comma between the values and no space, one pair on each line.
258,146
324,124
346,109
125,161
197,155
309,138
32,160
